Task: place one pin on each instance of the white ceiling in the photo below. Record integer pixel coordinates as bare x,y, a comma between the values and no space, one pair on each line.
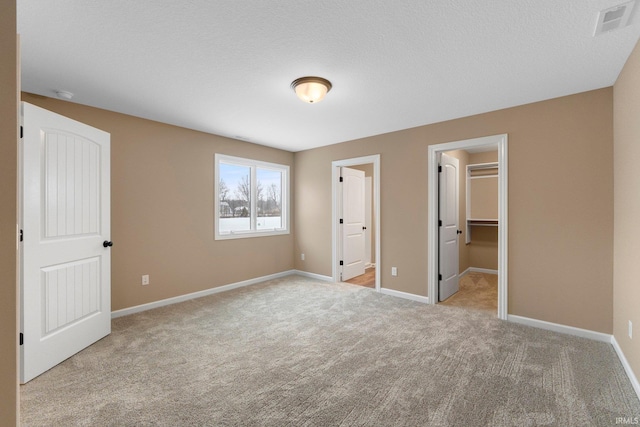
225,67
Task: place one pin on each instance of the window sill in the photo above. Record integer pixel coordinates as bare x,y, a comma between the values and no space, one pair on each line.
250,234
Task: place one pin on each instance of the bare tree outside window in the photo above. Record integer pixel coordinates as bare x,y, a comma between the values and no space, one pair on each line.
273,199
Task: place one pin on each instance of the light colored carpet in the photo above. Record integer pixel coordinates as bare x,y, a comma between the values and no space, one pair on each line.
299,352
477,291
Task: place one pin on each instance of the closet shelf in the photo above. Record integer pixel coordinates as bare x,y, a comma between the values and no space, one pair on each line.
482,196
482,222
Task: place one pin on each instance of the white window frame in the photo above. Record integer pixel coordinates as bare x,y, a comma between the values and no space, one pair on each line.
253,165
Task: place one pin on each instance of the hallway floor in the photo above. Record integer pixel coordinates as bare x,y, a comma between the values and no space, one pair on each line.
368,279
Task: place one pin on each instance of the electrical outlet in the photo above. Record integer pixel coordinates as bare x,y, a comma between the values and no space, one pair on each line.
630,329
302,257
145,279
394,271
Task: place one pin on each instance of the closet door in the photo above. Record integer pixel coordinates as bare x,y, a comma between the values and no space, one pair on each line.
448,230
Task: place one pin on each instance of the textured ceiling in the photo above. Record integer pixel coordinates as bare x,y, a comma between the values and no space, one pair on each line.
225,67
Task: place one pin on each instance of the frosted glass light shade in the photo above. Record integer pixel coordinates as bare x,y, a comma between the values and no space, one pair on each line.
311,89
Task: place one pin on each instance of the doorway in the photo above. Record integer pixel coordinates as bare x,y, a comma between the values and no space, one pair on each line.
370,238
496,142
475,220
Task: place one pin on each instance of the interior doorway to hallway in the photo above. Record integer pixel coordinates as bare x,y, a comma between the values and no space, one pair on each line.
356,221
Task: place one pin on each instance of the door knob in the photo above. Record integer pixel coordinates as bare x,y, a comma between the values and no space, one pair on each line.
107,243
364,228
459,232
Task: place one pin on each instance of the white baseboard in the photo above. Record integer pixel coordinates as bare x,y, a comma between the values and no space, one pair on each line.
404,295
313,275
181,298
626,366
479,270
563,329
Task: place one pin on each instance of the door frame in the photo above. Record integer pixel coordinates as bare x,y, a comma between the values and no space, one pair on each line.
499,141
336,207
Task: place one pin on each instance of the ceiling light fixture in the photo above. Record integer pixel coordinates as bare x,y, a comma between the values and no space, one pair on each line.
311,89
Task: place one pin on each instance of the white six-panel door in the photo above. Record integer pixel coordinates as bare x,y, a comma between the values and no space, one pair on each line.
448,230
66,265
353,216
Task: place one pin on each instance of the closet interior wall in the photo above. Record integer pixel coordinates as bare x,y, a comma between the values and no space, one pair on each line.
483,245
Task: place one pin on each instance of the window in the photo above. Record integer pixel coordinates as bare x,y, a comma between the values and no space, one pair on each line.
252,198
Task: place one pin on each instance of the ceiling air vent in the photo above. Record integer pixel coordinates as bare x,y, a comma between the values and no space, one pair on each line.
614,18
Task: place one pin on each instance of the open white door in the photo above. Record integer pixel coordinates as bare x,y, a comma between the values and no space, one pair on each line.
66,260
353,227
448,227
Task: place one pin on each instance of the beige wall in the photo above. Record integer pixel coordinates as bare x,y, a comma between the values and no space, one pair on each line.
162,208
483,157
483,249
626,290
560,205
8,210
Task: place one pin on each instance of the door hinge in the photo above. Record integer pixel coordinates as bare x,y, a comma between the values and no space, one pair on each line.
341,262
21,236
439,276
21,338
21,132
439,168
341,221
340,179
439,223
